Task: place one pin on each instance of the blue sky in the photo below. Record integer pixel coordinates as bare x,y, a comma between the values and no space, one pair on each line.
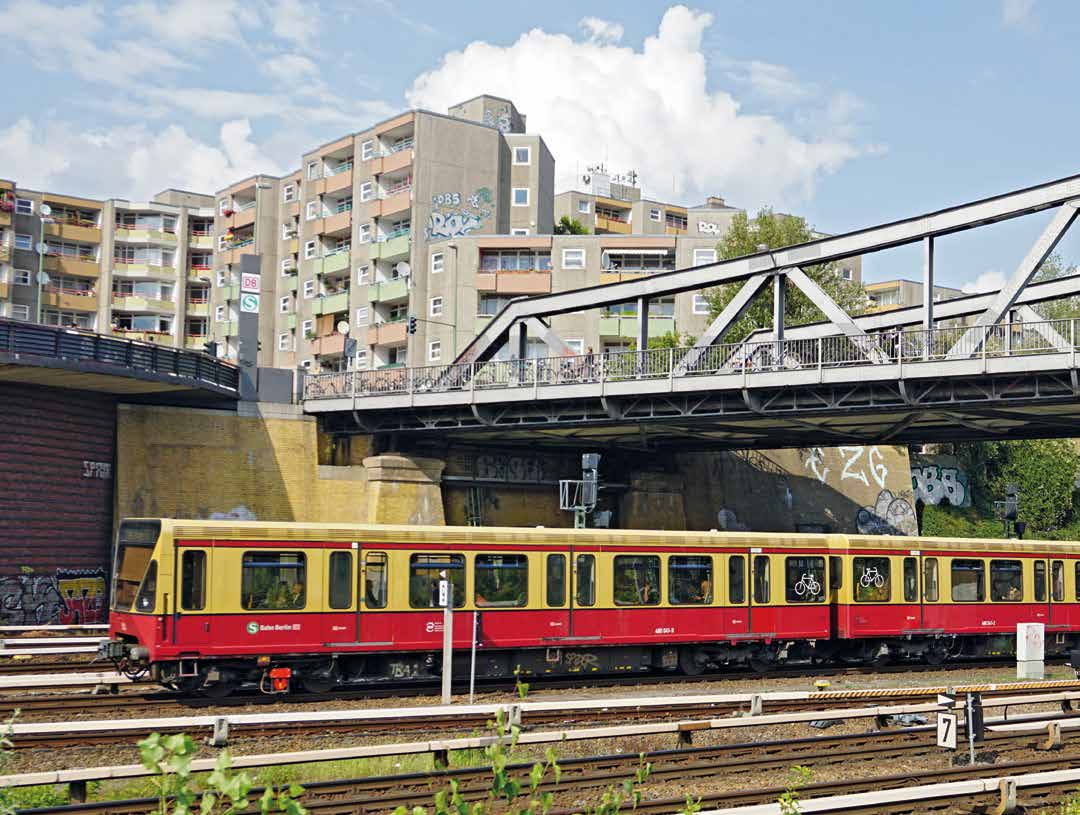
848,113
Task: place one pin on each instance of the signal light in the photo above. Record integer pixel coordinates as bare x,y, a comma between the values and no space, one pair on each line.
411,327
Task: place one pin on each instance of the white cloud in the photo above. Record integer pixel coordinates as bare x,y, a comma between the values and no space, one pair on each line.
1017,13
647,109
295,20
990,280
602,30
188,24
776,82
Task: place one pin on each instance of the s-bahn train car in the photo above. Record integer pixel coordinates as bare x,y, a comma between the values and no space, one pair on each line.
210,606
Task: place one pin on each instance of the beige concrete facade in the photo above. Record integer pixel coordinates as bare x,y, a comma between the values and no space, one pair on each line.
893,294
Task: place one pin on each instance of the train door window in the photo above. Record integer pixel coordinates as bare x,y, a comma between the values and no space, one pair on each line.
911,580
761,579
147,597
273,580
871,579
1057,581
690,580
930,579
836,572
804,579
501,580
637,580
193,580
1076,583
736,574
375,567
340,594
424,576
556,580
1007,581
1040,581
585,593
968,581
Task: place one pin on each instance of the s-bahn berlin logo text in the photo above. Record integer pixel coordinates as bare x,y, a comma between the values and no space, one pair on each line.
254,628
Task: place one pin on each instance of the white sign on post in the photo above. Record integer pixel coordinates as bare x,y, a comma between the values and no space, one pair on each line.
249,303
946,730
1030,649
250,282
444,593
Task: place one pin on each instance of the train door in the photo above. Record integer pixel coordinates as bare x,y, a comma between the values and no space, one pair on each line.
371,591
1057,616
762,616
192,625
558,599
583,596
1041,596
339,613
737,598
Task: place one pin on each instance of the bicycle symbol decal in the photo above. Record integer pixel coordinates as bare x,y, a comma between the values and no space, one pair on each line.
808,586
871,577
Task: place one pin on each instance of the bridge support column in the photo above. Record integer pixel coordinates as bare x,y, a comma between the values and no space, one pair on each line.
779,297
404,490
642,330
654,501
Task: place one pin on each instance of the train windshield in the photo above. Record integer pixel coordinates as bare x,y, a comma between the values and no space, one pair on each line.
134,551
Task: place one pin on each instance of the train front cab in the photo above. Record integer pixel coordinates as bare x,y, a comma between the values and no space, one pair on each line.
137,618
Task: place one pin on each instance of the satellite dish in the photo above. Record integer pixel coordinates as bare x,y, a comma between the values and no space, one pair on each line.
45,210
402,269
42,248
43,278
343,327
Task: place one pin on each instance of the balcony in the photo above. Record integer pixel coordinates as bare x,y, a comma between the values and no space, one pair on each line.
124,268
674,230
293,247
79,267
231,328
335,261
393,246
290,322
388,333
332,344
337,223
388,290
389,204
5,289
5,253
619,277
290,284
243,215
201,241
612,225
196,341
200,272
234,251
198,308
231,292
140,235
74,229
626,327
339,179
292,209
69,299
133,302
514,282
331,303
159,337
392,160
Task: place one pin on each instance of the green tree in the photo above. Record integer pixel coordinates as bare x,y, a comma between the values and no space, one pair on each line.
675,339
1066,308
570,226
777,231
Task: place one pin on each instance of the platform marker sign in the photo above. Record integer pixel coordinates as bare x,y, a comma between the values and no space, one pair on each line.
946,730
249,303
250,282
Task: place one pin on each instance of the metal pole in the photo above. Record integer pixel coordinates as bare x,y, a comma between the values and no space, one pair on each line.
928,290
971,730
472,660
448,641
40,265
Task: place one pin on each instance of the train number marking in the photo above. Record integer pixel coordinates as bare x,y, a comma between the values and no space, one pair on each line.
988,623
664,630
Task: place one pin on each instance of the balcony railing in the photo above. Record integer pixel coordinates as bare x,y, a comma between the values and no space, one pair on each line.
72,220
337,250
395,233
390,192
344,206
201,267
65,290
341,168
405,144
239,244
202,233
245,206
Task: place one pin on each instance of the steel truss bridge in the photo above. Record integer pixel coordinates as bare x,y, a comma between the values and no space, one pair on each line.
981,366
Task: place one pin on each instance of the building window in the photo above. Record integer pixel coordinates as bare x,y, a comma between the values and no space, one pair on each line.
521,196
573,258
363,274
435,307
309,289
283,342
847,275
361,360
365,233
287,266
583,206
362,316
313,170
521,155
434,351
288,193
24,206
367,150
287,231
519,231
655,215
309,250
219,314
221,277
701,304
21,277
311,211
367,191
222,206
703,256
436,262
307,327
576,345
24,241
283,304
20,311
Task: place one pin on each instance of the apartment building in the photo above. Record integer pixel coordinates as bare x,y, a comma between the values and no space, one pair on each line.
108,265
889,295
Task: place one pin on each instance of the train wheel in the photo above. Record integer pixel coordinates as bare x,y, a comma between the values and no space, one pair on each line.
218,690
761,663
318,683
689,662
935,655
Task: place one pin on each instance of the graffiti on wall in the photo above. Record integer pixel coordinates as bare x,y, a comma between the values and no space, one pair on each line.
932,485
498,118
454,215
68,597
890,515
857,463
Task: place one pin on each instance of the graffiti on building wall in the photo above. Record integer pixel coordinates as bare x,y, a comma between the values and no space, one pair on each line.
708,228
890,515
498,118
454,215
68,597
237,513
933,484
858,463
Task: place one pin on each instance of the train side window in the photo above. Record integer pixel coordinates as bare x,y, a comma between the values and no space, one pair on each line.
147,598
501,580
805,579
736,573
1076,583
340,594
870,577
968,583
836,572
636,580
761,579
930,580
585,594
375,568
911,580
690,580
1040,581
273,580
193,580
556,580
1057,581
1007,581
424,579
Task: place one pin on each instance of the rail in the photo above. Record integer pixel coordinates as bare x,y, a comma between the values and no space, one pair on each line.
742,359
51,342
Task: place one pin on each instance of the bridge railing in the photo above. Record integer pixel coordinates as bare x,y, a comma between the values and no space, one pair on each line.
745,358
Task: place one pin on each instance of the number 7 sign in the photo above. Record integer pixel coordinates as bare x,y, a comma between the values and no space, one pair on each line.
946,730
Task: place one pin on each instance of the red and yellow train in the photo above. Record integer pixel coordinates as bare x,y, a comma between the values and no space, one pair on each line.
214,605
